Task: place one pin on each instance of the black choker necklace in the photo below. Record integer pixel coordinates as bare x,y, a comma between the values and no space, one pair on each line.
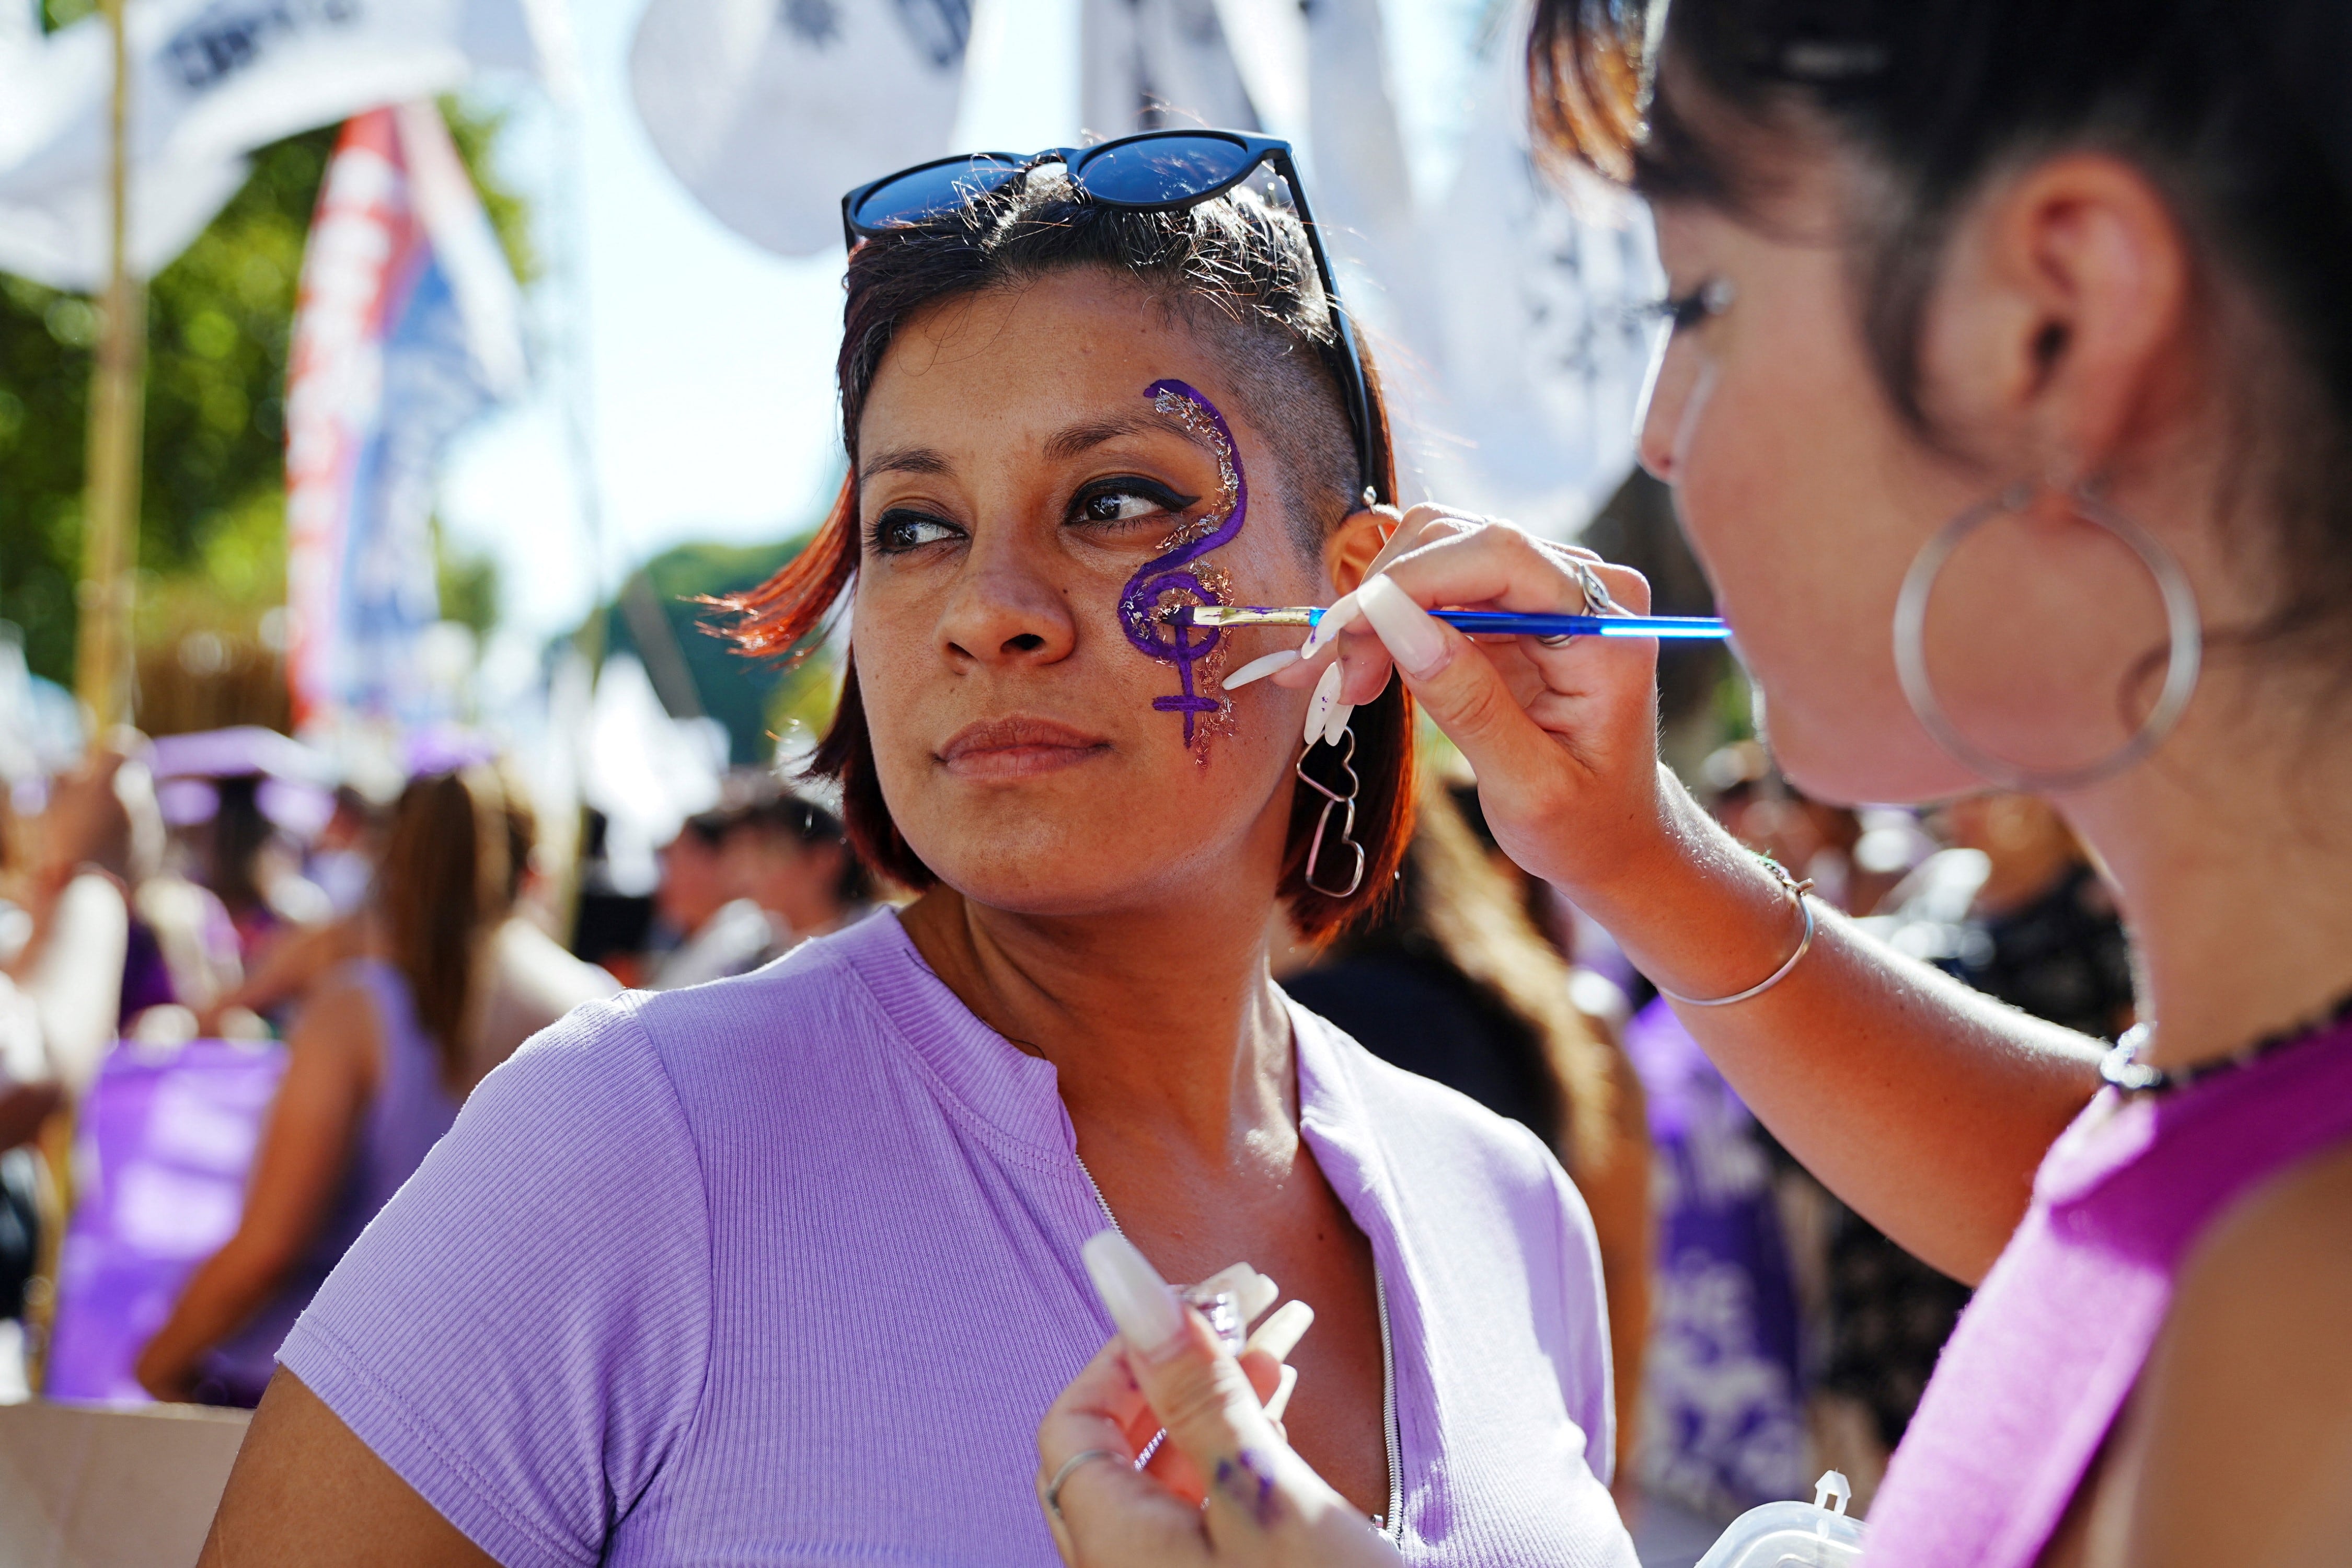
2122,1067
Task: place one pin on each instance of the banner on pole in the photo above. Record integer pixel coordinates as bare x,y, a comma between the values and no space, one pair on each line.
210,81
408,325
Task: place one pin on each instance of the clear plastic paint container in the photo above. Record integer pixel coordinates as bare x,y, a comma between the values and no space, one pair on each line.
1815,1534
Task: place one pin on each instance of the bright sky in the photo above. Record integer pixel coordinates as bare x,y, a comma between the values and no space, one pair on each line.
696,368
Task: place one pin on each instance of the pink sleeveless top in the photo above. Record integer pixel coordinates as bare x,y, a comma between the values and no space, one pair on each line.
2048,1352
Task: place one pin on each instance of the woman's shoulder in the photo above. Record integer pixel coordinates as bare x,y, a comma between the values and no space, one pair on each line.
810,995
2249,1393
799,1019
2291,1235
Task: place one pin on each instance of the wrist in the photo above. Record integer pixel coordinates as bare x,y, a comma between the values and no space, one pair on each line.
1661,845
1693,909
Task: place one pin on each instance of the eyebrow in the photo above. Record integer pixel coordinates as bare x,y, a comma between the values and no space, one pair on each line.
1068,442
1073,439
903,460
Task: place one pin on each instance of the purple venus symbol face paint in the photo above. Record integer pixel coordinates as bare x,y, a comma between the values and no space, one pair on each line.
1168,585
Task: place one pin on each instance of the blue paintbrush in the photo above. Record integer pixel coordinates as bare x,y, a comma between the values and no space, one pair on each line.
1487,622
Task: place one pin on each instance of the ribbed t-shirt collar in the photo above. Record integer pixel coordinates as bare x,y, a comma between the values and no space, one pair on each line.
1016,1094
1019,1095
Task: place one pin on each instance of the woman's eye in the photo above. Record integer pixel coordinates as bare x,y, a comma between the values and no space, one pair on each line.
895,529
1126,502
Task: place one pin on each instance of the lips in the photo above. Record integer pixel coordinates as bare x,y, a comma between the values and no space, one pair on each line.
1017,747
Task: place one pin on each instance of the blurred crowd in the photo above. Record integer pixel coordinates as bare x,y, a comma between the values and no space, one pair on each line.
390,952
221,888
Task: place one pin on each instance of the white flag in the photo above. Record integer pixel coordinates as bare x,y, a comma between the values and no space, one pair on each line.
66,241
20,26
1146,65
1372,228
210,81
768,110
1542,351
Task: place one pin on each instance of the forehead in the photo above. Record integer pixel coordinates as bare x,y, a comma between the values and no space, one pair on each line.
1018,364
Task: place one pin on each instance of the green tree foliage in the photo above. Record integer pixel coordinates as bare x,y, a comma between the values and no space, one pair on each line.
468,582
212,513
756,699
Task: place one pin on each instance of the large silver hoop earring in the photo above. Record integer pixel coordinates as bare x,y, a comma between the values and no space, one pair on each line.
1343,804
2181,623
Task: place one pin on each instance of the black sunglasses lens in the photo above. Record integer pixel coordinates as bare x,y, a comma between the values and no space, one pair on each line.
1162,169
923,193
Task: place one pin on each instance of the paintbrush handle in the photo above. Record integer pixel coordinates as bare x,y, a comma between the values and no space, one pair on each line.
1503,623
1492,622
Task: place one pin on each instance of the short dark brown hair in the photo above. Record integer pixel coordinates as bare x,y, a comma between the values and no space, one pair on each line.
1236,270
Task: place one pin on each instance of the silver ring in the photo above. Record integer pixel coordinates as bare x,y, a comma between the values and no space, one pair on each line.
1053,1487
1597,601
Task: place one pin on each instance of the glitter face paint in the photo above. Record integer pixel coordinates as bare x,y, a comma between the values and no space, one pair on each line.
1170,583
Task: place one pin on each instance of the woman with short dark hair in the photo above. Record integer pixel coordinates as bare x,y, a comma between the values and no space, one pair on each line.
784,1267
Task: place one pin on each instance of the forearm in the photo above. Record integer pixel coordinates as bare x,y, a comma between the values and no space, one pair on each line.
220,1297
1923,1105
293,964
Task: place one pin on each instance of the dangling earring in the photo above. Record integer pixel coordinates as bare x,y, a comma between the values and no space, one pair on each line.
1334,801
2182,622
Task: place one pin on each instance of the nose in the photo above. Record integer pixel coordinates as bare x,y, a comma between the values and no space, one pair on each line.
1661,417
1005,612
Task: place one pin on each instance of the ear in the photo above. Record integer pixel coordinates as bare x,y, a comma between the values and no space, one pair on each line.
1348,553
2060,327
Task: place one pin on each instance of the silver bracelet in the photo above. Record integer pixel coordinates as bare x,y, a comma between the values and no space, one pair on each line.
1797,890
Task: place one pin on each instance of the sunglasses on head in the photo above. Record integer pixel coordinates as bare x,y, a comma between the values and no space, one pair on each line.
1158,171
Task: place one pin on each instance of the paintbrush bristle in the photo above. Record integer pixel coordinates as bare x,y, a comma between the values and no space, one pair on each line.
1252,616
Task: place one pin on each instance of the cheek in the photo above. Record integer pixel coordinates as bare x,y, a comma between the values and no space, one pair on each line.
1787,490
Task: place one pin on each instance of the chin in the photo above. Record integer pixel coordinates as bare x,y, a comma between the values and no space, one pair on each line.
1042,885
1859,761
1032,858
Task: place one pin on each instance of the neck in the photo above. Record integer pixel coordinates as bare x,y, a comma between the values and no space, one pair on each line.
1162,1024
2234,870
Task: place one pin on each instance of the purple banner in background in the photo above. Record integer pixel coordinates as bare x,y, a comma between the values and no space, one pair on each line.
167,1135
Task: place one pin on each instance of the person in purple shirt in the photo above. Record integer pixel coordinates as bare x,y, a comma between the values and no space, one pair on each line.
2006,396
784,1269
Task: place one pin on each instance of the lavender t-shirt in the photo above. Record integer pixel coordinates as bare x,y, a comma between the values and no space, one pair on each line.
783,1270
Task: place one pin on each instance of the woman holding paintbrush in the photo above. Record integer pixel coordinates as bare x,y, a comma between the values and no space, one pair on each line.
2007,402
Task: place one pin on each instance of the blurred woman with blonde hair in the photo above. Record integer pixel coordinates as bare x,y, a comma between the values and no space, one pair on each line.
386,1046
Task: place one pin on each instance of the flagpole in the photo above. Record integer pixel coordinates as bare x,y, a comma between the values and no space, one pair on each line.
102,673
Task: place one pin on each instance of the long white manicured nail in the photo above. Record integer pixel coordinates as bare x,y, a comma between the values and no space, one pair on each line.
1329,624
1413,637
1282,1392
1280,1334
1256,1296
1229,1280
1280,658
1336,725
1138,1300
1319,709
